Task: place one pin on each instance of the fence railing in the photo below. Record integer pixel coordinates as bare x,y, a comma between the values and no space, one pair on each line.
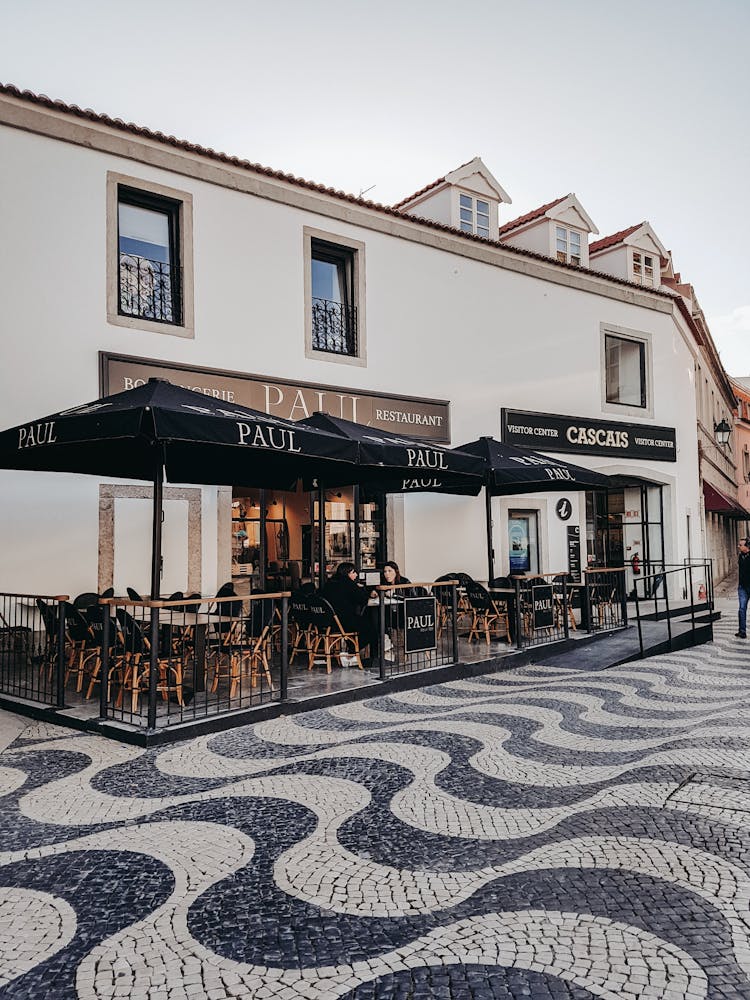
168,662
416,627
654,598
155,664
35,658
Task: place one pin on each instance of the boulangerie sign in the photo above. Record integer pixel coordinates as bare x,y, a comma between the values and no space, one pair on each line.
425,419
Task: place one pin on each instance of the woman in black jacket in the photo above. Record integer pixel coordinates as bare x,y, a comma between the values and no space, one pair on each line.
349,599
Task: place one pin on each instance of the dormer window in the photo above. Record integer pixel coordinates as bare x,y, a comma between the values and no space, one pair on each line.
474,215
568,245
643,268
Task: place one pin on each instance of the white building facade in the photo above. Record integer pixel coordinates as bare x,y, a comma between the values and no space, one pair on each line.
127,254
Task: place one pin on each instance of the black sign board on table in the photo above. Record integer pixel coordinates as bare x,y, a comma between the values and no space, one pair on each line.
420,624
588,436
574,552
541,598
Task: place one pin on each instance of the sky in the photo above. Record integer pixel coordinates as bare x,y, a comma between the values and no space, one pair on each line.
641,108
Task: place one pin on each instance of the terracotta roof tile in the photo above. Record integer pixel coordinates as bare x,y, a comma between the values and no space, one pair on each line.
613,240
190,147
428,187
530,216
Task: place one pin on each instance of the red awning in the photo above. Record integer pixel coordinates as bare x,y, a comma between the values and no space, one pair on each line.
719,503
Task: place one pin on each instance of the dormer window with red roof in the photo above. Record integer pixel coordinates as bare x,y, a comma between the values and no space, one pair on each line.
643,268
475,215
568,245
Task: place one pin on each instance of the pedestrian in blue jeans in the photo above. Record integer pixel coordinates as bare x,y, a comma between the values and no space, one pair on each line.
743,585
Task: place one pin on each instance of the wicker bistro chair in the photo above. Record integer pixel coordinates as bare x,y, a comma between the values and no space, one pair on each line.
557,584
80,647
489,617
131,664
49,653
244,646
320,633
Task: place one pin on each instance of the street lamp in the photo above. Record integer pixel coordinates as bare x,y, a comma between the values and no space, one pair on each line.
722,430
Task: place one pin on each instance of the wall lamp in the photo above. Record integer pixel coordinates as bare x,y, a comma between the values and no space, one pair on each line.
723,431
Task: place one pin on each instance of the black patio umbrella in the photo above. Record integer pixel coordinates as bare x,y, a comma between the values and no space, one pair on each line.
396,464
159,428
509,469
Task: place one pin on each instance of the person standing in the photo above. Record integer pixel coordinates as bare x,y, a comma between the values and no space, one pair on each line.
743,585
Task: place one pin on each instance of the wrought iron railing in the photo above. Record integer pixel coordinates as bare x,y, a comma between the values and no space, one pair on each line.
416,627
149,289
36,655
169,662
334,327
694,578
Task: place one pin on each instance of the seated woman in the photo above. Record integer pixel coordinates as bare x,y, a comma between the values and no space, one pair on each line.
390,574
349,599
394,616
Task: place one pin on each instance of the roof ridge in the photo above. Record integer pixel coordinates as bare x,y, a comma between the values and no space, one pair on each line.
607,241
535,213
120,125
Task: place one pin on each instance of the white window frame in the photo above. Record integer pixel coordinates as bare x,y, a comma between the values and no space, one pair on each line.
470,223
358,290
640,337
186,328
643,273
563,245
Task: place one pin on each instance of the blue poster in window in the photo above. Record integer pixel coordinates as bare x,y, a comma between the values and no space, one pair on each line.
518,544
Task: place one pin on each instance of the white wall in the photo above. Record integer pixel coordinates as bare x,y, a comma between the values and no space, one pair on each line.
438,325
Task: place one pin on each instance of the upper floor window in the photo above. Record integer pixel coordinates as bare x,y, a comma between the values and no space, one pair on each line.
568,245
643,268
474,215
148,241
625,371
334,314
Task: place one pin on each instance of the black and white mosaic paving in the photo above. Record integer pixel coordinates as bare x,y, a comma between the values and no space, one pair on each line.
540,833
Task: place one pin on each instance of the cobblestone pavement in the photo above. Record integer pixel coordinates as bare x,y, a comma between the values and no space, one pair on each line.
540,833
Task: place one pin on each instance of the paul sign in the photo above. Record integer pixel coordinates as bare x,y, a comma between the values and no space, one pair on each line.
420,624
544,614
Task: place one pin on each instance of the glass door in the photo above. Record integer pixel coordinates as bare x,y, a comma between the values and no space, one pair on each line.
523,548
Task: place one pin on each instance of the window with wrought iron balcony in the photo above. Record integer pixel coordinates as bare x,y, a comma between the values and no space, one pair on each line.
148,243
334,315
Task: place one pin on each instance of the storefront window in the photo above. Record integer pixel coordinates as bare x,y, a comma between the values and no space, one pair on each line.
275,538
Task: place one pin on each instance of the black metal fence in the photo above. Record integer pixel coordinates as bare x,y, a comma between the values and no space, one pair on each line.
168,662
149,289
660,595
334,327
35,657
152,665
416,627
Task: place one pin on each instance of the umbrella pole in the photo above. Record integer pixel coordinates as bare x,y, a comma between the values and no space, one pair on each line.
156,529
321,537
490,550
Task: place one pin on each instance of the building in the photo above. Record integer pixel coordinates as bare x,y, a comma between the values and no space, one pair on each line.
129,253
741,388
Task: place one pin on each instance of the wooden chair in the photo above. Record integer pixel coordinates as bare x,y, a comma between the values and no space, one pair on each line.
132,662
245,646
324,634
488,616
557,584
79,645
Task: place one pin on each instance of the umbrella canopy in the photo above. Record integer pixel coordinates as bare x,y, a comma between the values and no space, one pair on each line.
160,428
397,464
509,469
198,439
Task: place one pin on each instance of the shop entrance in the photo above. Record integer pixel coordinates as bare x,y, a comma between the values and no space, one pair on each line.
625,527
275,534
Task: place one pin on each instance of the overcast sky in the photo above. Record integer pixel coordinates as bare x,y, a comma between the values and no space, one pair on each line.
641,108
